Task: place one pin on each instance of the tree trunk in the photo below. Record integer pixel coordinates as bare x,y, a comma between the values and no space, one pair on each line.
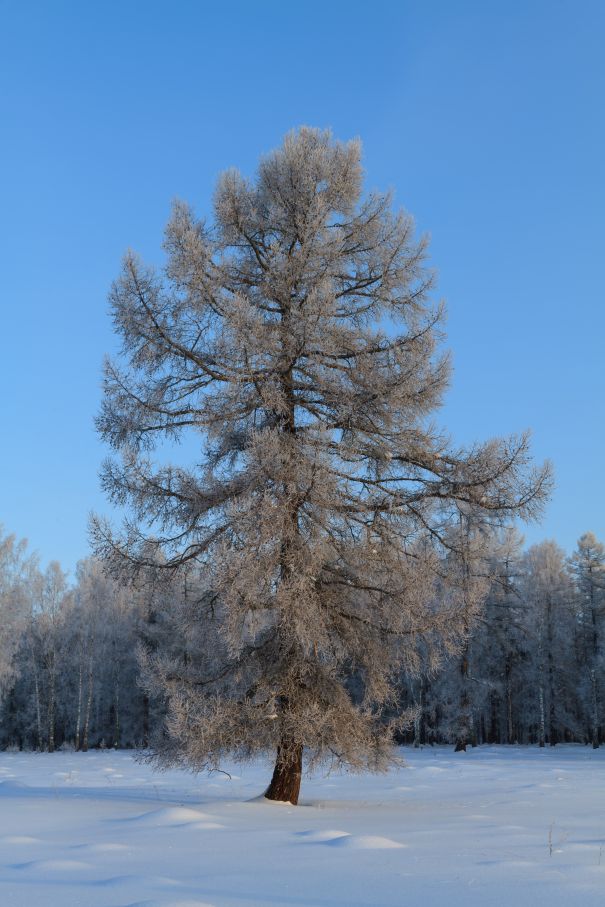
287,774
145,721
38,707
418,723
510,737
88,707
464,734
116,722
593,674
594,709
79,711
553,736
542,725
51,705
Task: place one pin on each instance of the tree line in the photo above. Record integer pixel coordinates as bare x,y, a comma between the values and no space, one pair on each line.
531,669
75,658
68,667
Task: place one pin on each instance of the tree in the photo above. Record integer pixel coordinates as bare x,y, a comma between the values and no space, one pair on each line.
45,638
293,339
102,634
549,623
472,698
18,573
499,645
95,627
588,566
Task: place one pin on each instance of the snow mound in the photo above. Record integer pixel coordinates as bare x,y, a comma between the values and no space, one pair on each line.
108,847
55,865
322,836
138,881
20,839
8,787
343,839
170,815
364,842
184,904
156,903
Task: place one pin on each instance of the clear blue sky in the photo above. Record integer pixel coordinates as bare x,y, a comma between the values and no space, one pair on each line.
486,118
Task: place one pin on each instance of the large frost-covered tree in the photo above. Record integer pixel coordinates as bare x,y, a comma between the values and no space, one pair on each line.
293,338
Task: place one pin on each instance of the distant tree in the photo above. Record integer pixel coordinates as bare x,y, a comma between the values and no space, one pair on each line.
588,566
499,648
46,636
470,699
89,624
548,621
457,692
18,576
102,626
294,339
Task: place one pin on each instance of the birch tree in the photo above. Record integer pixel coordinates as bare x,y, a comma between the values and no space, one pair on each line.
47,633
90,616
292,343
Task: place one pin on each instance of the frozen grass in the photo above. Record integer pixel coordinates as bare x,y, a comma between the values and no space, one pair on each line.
495,826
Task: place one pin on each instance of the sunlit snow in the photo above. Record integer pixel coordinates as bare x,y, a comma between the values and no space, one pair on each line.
494,826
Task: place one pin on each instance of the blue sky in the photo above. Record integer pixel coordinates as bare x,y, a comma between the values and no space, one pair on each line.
485,118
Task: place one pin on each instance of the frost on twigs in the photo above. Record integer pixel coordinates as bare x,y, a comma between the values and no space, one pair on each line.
317,540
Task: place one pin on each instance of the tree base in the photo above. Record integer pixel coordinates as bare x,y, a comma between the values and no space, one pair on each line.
287,774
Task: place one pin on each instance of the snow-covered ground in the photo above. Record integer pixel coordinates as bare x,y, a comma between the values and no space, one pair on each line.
494,826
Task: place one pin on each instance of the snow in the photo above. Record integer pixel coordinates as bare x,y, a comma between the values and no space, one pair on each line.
494,826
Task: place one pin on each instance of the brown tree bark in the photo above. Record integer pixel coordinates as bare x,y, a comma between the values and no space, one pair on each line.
287,774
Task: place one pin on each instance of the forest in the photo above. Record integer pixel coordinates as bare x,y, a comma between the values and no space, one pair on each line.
74,656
